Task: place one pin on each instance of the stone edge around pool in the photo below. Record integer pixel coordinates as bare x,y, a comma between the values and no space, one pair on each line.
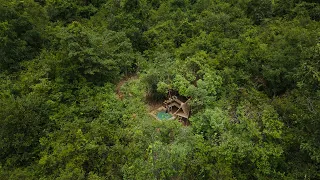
154,113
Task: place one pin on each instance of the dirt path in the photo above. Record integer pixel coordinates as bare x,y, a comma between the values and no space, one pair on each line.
154,105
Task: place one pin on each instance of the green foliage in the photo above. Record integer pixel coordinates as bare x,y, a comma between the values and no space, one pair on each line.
85,54
78,80
260,10
68,11
21,25
23,121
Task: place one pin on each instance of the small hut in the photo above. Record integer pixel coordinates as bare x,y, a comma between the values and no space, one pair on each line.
177,107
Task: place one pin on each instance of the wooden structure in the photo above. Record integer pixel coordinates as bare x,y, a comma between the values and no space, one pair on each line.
177,108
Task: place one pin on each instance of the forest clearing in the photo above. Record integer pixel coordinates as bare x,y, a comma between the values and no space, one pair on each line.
159,89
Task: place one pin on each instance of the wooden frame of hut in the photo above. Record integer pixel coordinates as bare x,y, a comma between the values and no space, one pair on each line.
177,108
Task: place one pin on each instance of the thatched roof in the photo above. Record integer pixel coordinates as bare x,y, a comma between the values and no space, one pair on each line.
183,107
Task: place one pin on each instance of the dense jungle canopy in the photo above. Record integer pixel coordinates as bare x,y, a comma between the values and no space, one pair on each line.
78,77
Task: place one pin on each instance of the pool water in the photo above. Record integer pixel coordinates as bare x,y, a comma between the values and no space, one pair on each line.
163,115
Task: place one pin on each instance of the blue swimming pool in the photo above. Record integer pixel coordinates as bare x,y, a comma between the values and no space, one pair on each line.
163,115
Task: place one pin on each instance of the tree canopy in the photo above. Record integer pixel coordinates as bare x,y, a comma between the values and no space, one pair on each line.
79,78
